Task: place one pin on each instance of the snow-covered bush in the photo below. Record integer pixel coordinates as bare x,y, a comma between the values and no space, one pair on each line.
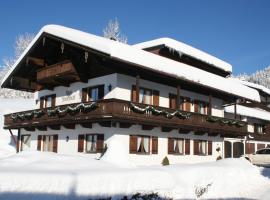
165,161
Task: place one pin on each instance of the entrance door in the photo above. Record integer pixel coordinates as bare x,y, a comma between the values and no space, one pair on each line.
25,142
238,149
48,143
228,149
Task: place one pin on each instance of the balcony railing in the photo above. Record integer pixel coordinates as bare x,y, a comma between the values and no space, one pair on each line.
125,112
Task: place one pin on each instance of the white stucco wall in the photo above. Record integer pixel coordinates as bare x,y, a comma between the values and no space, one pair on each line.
122,134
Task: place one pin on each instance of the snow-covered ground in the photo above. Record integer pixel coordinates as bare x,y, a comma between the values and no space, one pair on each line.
40,175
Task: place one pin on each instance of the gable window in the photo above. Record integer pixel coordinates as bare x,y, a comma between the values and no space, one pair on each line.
92,93
47,101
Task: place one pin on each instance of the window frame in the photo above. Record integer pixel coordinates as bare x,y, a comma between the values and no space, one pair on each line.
85,145
22,144
144,92
183,146
142,143
43,101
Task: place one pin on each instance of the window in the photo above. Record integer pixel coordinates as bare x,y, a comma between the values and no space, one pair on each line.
145,96
92,93
47,101
139,144
185,103
200,147
143,144
91,143
259,128
201,107
25,142
178,146
47,143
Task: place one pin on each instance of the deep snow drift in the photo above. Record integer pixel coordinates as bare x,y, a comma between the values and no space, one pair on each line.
37,175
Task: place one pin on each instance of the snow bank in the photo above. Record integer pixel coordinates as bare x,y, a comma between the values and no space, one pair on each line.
37,175
116,153
188,50
249,112
144,59
7,147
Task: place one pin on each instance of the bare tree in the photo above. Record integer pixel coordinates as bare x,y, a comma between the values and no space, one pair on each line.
21,43
112,31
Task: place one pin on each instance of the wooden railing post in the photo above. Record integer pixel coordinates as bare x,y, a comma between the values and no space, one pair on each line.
178,97
137,88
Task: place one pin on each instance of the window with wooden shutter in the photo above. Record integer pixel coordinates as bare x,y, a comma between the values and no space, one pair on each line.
196,106
187,104
187,146
133,93
84,94
209,147
172,101
39,142
55,143
81,143
155,97
196,147
132,144
100,143
170,146
154,145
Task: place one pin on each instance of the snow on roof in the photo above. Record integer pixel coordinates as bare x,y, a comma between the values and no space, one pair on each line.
188,50
145,60
249,112
255,86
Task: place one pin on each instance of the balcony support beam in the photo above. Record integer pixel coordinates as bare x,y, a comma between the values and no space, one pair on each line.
137,88
210,105
178,97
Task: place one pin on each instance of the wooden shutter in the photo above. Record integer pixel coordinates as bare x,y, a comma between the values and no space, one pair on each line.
187,104
209,147
155,97
172,101
187,146
133,93
100,143
84,94
154,145
53,100
250,148
42,101
81,143
55,143
170,146
196,147
207,108
39,142
196,106
101,92
132,144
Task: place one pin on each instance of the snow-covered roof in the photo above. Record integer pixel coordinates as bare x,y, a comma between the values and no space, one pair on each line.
183,48
144,59
249,112
255,86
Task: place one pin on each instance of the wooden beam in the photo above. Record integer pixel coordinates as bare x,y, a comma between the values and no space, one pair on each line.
13,137
125,125
86,125
137,88
69,126
18,141
147,127
105,124
42,128
55,127
210,105
235,110
178,97
36,61
166,129
29,128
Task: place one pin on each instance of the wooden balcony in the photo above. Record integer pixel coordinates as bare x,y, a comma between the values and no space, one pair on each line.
114,110
58,74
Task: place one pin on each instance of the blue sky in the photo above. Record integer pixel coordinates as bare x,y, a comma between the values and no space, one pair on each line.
237,31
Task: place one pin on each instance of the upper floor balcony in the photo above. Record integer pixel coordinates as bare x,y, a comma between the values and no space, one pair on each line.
107,111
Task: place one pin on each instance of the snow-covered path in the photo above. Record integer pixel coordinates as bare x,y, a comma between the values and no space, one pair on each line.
36,175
